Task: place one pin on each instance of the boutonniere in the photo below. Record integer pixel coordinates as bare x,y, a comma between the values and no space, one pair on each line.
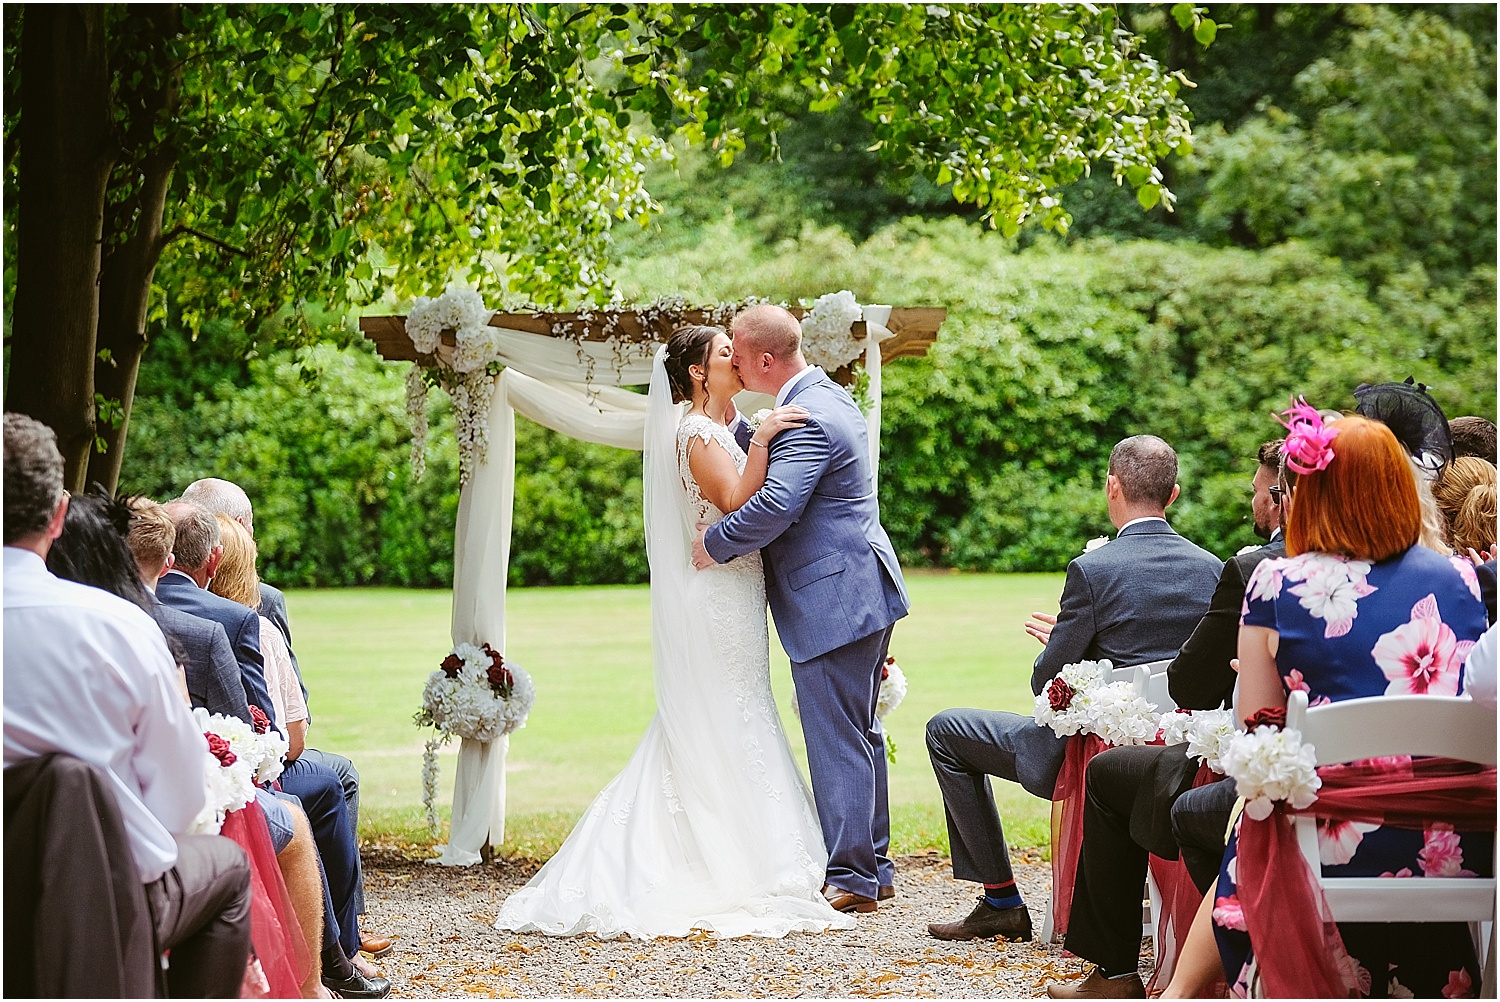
1095,543
758,418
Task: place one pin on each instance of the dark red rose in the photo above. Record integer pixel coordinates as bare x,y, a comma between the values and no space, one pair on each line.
1182,709
259,720
451,665
500,679
885,669
1272,717
220,749
1060,695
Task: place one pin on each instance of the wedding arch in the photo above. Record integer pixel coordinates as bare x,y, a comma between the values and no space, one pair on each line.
567,371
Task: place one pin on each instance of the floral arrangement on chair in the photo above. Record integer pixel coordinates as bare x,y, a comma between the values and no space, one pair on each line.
1206,733
1079,701
237,759
474,694
1269,762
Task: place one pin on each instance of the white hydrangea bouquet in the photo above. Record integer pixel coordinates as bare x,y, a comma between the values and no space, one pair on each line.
1270,763
475,694
892,692
465,374
1079,701
235,760
1207,734
827,330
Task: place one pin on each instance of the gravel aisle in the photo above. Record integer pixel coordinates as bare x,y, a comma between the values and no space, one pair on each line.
448,947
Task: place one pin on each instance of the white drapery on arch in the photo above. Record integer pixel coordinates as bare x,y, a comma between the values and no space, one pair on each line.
574,389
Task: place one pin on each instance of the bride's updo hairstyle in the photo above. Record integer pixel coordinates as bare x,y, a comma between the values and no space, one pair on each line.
687,347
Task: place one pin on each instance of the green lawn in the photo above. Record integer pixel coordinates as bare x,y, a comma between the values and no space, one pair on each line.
365,654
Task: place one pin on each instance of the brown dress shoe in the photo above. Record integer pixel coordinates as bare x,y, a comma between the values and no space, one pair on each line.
1097,986
375,946
985,922
847,901
886,892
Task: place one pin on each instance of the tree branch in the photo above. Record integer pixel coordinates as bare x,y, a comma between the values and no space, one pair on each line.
178,231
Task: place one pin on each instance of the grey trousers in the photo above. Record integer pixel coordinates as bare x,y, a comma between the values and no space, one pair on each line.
349,779
967,747
201,912
846,759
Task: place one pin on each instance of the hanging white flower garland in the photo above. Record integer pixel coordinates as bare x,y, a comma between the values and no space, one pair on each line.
467,373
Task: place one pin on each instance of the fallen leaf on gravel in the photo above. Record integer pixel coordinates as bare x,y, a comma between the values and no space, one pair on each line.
516,947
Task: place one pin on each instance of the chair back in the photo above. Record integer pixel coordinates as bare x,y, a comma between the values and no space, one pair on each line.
1451,726
1158,693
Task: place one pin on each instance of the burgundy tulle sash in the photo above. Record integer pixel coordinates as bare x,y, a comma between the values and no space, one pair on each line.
1298,950
1067,824
1180,899
274,931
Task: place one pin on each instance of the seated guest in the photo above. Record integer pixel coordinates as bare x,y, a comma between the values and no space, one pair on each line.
225,498
1359,609
1134,600
1421,428
213,675
196,552
1140,799
237,581
89,674
93,550
1465,494
315,785
1473,436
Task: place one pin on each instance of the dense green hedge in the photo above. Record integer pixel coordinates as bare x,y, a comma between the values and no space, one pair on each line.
994,445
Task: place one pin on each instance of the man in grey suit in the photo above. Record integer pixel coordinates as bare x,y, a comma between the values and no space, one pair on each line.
834,588
1131,601
213,675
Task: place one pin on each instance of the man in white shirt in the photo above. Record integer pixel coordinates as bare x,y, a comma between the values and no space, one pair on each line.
89,675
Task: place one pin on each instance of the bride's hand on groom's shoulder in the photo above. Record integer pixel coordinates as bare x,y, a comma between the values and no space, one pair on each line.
779,420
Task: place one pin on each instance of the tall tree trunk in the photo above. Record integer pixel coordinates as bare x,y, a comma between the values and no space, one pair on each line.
130,261
64,155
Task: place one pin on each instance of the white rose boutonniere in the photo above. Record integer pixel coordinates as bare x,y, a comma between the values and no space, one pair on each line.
1095,543
758,418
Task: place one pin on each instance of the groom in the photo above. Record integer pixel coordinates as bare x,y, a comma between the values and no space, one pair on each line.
834,588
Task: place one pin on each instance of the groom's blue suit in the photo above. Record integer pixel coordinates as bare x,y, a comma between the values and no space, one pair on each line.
835,589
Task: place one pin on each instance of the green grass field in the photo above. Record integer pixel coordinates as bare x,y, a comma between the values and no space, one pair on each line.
365,654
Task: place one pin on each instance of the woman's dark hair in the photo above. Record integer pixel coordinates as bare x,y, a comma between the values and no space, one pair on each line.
92,550
687,347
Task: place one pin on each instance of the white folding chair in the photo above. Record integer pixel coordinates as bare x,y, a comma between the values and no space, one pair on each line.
1450,726
1138,676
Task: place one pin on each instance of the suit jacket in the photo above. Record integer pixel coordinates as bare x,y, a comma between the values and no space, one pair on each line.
1133,600
1200,678
241,625
273,607
1486,575
77,924
213,675
831,574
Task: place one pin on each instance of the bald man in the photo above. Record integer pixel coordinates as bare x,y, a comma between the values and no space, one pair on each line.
835,590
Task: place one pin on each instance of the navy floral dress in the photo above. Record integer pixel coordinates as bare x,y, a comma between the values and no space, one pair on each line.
1351,628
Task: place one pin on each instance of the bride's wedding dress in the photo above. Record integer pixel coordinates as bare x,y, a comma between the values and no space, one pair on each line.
710,826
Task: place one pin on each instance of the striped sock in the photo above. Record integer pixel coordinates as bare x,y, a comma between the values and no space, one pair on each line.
1002,895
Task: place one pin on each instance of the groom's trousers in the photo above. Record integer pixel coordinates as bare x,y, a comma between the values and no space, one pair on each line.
837,693
967,747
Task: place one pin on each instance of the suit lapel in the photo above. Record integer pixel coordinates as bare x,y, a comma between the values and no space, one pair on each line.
819,377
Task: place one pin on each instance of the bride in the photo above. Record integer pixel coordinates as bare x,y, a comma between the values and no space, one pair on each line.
710,825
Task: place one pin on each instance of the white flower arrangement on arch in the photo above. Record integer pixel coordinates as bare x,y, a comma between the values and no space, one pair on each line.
477,695
827,331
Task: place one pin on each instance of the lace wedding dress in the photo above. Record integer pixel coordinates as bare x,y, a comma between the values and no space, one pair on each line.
710,826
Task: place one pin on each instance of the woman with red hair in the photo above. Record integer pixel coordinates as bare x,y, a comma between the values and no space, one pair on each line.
1357,608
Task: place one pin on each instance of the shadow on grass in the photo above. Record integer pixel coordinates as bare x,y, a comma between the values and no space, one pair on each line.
401,833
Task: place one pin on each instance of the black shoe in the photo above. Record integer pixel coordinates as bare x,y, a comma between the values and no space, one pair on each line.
357,986
985,922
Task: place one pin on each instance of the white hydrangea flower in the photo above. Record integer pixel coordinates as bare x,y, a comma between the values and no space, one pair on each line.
827,340
1209,736
892,690
1270,764
1072,718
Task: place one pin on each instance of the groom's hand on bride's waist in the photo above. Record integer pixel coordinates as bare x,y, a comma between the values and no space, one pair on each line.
701,558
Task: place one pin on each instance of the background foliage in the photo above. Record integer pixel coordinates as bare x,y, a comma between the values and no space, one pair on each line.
1335,225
